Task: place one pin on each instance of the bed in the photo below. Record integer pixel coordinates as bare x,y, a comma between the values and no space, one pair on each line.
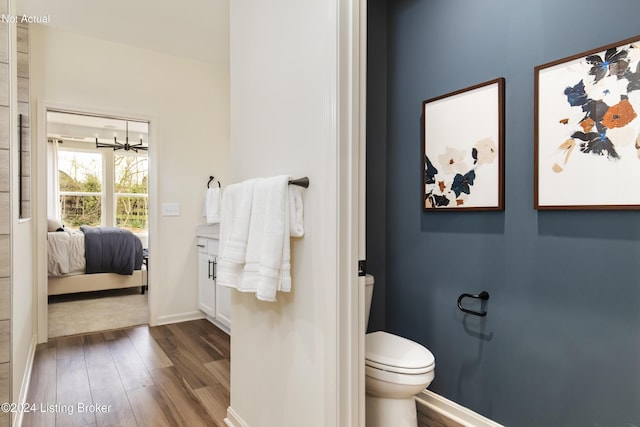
94,259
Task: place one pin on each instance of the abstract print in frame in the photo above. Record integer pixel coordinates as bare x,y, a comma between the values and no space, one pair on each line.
463,159
587,130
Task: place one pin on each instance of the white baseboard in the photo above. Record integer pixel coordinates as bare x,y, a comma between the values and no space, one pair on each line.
180,317
233,419
26,379
451,410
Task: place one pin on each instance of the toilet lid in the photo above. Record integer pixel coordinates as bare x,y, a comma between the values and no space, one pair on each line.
385,349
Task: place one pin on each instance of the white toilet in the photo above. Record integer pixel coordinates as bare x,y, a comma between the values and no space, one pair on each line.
396,369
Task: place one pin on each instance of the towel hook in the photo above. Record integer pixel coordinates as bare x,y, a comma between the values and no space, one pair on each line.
211,179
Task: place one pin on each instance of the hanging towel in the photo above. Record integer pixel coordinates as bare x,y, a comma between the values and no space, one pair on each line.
273,216
296,211
212,205
272,232
234,230
296,229
268,264
259,224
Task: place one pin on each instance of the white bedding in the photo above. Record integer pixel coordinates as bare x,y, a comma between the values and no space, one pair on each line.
65,253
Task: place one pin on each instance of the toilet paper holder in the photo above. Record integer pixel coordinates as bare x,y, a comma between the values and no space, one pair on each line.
484,295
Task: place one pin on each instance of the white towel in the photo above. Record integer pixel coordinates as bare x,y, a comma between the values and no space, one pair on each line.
273,216
241,205
234,231
265,244
275,267
296,229
212,205
296,211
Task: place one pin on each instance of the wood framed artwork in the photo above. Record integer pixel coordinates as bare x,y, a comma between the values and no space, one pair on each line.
587,144
463,149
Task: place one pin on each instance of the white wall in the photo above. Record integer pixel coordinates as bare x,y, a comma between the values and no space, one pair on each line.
283,121
188,104
23,314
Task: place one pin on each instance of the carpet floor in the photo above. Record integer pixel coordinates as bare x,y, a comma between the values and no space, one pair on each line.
97,311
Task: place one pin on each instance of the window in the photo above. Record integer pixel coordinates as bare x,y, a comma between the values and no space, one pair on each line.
87,199
80,177
131,188
94,184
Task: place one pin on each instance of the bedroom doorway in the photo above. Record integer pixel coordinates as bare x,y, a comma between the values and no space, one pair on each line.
97,222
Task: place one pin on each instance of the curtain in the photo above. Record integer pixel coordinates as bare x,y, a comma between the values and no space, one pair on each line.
53,181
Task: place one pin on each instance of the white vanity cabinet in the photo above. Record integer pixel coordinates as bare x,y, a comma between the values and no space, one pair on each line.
213,300
207,253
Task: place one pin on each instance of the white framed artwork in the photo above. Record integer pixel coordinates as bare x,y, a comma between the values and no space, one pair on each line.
463,149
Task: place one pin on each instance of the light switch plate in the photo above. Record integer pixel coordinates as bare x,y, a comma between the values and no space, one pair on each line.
170,209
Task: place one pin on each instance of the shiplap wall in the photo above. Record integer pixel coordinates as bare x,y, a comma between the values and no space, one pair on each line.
22,46
5,217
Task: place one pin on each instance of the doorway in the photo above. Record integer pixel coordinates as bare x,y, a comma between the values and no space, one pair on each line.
97,187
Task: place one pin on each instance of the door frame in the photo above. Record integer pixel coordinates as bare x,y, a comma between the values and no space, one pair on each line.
351,163
40,210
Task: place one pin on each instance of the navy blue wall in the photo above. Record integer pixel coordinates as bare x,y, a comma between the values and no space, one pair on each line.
377,156
561,343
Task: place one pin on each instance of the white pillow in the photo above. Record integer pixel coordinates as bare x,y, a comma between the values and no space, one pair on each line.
53,224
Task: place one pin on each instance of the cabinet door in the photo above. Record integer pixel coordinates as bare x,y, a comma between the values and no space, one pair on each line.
206,284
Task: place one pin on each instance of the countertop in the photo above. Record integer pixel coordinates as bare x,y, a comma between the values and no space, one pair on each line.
208,231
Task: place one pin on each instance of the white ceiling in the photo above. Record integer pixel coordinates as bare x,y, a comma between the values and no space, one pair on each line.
80,127
188,28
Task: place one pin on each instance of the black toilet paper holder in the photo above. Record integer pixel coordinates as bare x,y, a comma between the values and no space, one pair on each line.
484,295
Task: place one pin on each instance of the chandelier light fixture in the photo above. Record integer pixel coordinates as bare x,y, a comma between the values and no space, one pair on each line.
123,146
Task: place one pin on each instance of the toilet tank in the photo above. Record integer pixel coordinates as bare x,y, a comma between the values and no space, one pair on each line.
369,280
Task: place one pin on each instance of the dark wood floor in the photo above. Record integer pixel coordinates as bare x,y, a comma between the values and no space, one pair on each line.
172,375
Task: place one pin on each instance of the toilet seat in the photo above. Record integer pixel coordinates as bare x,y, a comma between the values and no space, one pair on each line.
391,353
395,379
397,369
